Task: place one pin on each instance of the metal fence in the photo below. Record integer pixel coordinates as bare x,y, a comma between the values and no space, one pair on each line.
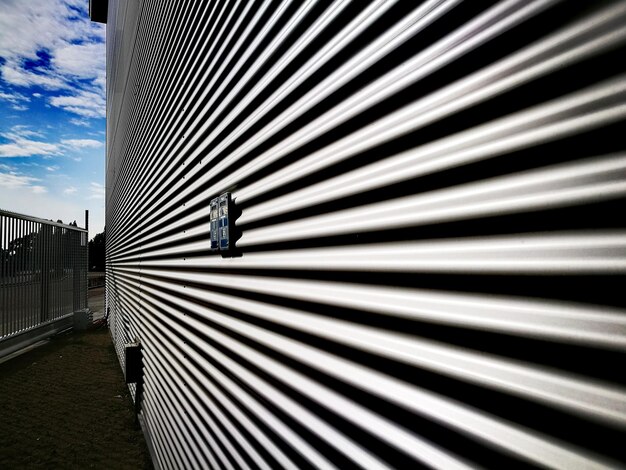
43,272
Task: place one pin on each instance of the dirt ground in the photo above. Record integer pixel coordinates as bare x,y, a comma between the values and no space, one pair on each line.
65,405
95,298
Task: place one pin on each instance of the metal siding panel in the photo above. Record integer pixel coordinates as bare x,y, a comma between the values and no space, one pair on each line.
432,243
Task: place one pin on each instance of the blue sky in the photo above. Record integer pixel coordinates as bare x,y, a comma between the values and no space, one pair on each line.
52,109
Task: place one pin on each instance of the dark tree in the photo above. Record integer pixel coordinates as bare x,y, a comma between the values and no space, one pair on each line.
96,252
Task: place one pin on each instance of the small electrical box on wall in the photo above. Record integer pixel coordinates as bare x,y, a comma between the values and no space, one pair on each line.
215,243
133,362
223,221
222,225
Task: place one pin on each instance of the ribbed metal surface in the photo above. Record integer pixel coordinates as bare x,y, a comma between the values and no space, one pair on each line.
433,239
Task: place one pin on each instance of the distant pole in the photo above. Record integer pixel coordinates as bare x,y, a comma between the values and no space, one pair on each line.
86,278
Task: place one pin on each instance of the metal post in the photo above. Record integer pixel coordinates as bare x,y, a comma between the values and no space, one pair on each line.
86,256
3,289
44,253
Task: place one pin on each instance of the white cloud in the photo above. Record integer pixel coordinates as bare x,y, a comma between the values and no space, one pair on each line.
19,146
80,60
14,73
80,122
53,168
37,95
25,131
82,143
20,143
74,45
13,97
14,180
39,189
96,190
83,103
47,23
19,107
70,190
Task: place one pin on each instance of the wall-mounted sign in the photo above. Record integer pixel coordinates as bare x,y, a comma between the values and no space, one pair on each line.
221,221
215,244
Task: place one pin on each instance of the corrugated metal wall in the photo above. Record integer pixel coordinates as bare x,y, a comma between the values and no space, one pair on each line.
433,242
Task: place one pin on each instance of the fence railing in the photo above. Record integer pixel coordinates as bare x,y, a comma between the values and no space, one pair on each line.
96,279
43,272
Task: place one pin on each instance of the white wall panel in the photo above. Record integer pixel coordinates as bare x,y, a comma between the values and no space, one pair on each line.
433,249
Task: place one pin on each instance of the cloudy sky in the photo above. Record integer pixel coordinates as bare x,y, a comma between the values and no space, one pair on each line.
52,109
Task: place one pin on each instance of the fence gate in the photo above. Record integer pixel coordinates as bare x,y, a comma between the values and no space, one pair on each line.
43,278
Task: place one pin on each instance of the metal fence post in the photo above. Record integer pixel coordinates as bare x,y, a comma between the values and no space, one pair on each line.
45,236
